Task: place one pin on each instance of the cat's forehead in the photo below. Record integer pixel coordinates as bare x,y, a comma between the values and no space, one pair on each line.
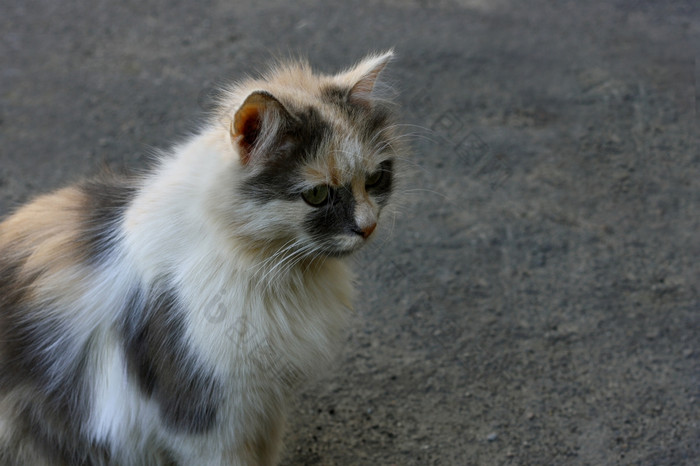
340,159
343,144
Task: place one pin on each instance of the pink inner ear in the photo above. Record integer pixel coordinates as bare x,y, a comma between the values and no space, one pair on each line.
247,124
246,128
362,90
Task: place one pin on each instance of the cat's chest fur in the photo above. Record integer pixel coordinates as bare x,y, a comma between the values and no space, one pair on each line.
240,321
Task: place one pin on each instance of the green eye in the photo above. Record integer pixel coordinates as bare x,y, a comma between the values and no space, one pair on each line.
316,196
375,178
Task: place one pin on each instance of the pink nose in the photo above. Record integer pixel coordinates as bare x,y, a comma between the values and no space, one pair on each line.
366,231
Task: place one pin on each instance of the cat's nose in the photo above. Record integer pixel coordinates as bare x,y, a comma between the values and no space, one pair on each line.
366,231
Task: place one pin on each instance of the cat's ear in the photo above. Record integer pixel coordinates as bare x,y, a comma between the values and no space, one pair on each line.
363,77
256,122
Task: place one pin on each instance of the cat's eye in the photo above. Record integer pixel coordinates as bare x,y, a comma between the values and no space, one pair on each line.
316,196
375,178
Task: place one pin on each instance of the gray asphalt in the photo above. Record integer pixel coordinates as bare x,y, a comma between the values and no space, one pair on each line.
537,299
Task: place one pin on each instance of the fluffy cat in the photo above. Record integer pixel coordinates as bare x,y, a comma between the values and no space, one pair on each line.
167,318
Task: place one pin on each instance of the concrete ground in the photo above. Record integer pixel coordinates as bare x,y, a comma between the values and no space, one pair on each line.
537,299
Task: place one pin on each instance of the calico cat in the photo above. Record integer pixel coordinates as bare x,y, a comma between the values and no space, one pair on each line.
167,318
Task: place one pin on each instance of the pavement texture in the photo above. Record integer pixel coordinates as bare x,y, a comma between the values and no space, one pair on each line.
536,300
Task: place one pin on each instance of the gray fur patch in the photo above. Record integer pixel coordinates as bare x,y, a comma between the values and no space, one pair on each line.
158,356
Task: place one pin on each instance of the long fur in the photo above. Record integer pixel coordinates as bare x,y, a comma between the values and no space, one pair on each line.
167,319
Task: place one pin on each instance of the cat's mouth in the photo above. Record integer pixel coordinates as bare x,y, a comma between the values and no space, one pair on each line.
342,247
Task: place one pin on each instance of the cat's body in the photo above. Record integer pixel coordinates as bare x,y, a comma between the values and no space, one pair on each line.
167,319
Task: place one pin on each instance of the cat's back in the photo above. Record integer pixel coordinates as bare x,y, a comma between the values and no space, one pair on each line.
72,224
55,215
51,247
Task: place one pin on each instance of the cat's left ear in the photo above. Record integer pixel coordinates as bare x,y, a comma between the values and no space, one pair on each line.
256,123
363,77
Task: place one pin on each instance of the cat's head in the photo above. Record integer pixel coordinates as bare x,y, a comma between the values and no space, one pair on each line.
316,157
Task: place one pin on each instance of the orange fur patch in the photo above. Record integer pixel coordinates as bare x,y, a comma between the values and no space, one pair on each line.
46,232
314,175
333,170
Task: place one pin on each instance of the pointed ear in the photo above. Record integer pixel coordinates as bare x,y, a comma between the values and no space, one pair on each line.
363,77
256,122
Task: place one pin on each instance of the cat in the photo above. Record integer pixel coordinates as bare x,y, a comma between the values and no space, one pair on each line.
167,318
